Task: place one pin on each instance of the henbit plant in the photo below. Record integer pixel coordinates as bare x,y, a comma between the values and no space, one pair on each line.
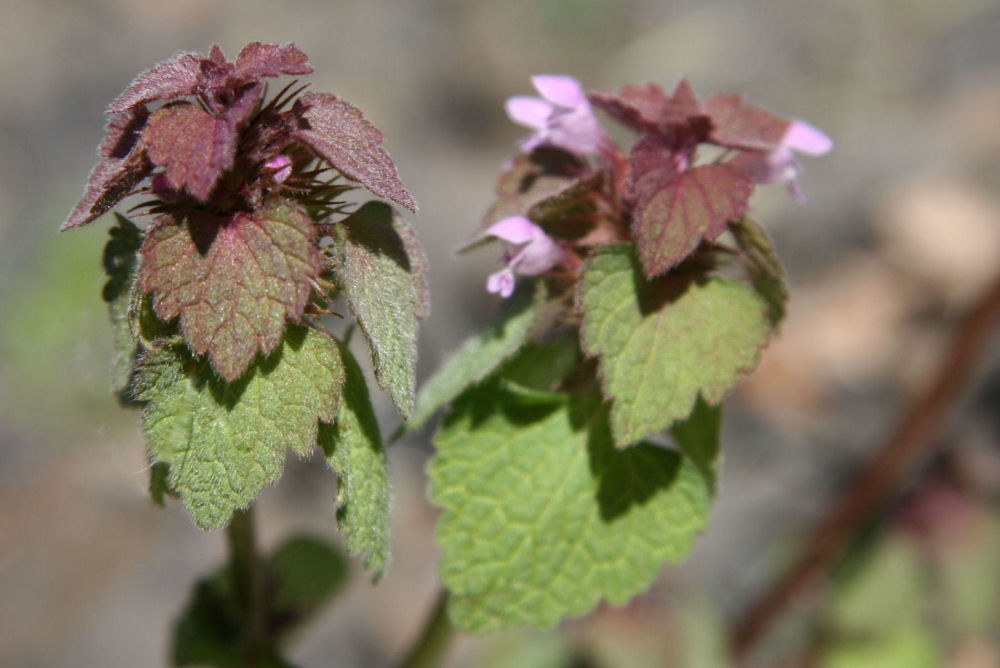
579,451
215,306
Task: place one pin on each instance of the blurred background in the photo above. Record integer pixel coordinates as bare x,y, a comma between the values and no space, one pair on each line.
900,236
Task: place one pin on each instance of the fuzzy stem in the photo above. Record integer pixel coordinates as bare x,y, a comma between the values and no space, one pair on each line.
247,575
434,638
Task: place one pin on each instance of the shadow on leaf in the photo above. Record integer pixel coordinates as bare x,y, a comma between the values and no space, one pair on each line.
630,476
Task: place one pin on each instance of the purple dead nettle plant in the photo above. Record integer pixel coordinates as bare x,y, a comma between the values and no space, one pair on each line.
217,300
582,429
213,156
217,297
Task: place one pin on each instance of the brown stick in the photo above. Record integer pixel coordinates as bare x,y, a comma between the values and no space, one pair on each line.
912,434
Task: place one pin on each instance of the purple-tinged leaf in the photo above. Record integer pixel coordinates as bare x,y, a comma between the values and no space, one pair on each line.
539,186
234,282
109,181
216,65
123,132
636,106
744,126
338,133
674,216
194,146
683,103
258,60
652,163
177,77
647,108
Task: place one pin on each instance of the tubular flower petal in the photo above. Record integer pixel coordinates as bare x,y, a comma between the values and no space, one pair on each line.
781,165
561,117
282,167
528,252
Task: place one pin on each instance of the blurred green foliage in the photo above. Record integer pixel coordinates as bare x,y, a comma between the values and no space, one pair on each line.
55,348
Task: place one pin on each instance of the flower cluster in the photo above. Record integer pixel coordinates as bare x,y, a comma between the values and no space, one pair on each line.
573,188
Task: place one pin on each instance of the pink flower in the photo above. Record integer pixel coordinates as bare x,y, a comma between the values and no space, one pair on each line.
529,252
560,118
781,165
282,166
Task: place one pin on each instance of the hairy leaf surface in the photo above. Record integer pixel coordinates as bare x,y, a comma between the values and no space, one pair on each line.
177,76
341,135
121,258
659,343
225,441
737,124
196,147
383,272
109,182
256,60
353,449
233,282
766,273
683,209
543,517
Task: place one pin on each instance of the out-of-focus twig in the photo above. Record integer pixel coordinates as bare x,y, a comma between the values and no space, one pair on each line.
913,432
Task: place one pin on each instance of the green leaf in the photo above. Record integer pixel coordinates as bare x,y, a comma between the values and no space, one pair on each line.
210,631
913,646
207,633
234,281
383,272
479,356
121,258
541,365
306,572
886,591
159,487
766,273
543,517
698,438
225,441
970,577
300,576
661,342
353,448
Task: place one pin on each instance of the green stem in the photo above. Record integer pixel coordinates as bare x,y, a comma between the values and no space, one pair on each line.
247,574
434,639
